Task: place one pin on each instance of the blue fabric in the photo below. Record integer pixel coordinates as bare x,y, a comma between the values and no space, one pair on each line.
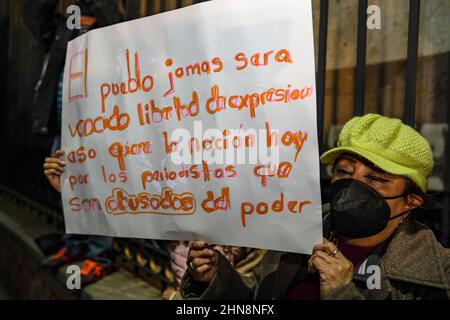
90,246
59,100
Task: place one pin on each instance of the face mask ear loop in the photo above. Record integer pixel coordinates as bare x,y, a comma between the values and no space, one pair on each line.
399,215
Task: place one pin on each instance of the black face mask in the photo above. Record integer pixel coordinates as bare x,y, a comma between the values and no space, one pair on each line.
357,210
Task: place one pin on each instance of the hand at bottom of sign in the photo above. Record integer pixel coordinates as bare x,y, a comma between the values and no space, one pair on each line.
202,261
334,268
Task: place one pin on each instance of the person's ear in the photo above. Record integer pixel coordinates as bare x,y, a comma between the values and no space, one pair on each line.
413,201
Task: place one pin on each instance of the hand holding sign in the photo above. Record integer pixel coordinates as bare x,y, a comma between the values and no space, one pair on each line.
203,262
54,168
334,268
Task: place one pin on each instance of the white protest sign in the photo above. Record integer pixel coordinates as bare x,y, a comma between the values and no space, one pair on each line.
196,124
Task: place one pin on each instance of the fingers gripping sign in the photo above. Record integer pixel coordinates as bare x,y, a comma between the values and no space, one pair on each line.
334,269
202,261
54,167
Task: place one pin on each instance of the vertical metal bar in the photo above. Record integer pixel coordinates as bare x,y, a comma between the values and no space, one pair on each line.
5,14
321,68
411,63
445,236
360,59
381,83
446,176
143,8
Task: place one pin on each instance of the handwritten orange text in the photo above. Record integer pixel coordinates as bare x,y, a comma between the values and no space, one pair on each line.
165,203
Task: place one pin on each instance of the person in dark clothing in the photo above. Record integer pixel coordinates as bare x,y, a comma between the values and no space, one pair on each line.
373,248
50,29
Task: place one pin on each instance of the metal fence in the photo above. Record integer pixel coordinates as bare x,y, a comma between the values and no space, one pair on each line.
411,69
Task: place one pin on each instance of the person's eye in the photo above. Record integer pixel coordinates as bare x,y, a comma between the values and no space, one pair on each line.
341,171
376,178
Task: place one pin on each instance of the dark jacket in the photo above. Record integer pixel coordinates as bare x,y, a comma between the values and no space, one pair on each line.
413,265
49,28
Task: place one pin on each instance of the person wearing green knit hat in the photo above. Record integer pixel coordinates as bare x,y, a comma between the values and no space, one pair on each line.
373,247
389,144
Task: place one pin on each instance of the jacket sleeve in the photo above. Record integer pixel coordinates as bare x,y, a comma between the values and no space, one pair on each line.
40,17
227,284
445,258
347,292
